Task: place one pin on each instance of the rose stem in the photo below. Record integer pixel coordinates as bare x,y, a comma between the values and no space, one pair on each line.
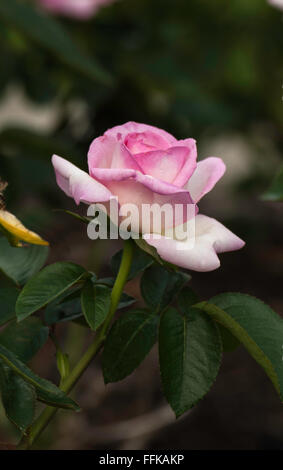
68,384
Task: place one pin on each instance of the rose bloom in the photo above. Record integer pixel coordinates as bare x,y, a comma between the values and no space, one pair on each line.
276,3
141,164
81,9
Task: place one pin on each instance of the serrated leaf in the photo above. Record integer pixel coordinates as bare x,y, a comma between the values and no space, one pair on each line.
46,286
46,31
20,264
159,287
256,326
190,356
130,339
18,398
46,391
8,298
96,301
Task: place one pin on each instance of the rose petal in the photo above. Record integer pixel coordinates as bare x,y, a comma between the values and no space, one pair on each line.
204,178
121,132
211,237
106,153
142,190
141,142
174,165
78,184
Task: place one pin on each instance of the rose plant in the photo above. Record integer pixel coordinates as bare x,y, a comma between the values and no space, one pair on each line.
140,164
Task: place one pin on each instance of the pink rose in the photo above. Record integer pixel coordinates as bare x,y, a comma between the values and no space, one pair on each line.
141,164
82,9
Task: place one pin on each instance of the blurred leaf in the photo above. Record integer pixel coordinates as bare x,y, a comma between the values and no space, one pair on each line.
19,264
18,398
50,283
256,326
190,356
37,145
130,339
159,287
24,339
85,220
50,34
46,391
8,298
96,301
275,192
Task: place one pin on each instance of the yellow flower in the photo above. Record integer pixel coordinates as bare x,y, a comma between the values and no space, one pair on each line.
16,232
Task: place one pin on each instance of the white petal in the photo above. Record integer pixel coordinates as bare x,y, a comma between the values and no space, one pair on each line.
199,252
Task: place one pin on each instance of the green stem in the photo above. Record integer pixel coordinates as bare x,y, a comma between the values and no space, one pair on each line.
68,384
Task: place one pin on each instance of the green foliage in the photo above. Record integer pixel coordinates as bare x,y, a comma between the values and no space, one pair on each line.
24,339
126,301
159,287
8,298
130,339
46,31
96,301
256,326
18,396
275,192
186,298
190,355
46,391
20,264
149,250
46,286
141,261
63,311
63,364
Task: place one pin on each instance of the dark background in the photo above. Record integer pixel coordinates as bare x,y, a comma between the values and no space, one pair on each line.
197,68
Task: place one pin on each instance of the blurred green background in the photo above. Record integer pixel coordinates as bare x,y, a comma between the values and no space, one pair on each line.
197,68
